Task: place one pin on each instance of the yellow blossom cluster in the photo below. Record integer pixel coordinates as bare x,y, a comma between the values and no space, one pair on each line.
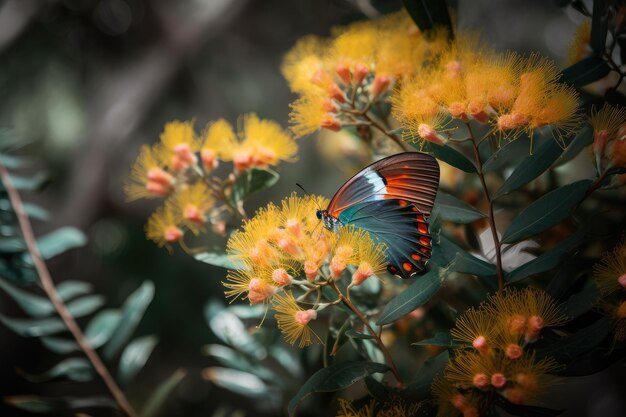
180,168
354,68
609,137
494,354
610,279
287,244
470,82
396,407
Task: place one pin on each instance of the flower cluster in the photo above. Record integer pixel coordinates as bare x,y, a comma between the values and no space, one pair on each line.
469,81
341,77
394,408
610,278
496,353
609,137
181,166
284,248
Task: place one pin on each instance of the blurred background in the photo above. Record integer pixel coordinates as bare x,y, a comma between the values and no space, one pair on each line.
87,82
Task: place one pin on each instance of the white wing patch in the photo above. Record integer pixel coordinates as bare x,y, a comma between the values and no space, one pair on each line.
377,183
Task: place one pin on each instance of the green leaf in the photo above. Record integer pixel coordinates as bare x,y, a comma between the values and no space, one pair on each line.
353,334
335,378
583,138
59,405
376,389
461,261
547,211
419,388
132,312
440,339
507,155
450,156
70,289
585,72
252,181
412,297
452,209
59,345
102,326
134,357
85,305
33,183
218,259
14,162
243,383
548,260
585,339
59,241
33,305
230,358
74,369
599,26
230,329
158,397
531,166
429,14
35,212
12,245
582,301
33,327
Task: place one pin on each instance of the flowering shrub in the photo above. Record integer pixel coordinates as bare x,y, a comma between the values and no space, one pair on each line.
517,295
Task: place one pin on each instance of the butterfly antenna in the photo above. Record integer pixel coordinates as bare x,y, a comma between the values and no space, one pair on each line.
302,188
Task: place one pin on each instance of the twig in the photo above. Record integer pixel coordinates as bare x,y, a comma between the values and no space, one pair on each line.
51,291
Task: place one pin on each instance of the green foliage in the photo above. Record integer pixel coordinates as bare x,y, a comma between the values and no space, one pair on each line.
252,181
450,208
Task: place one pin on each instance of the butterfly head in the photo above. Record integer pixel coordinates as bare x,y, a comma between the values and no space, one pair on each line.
330,222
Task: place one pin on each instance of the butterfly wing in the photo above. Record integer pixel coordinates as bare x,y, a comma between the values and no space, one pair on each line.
398,225
410,176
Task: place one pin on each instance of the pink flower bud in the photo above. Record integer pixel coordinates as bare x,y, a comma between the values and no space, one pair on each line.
480,381
527,381
363,272
380,84
242,160
329,105
311,270
599,141
209,159
331,123
516,324
498,380
294,227
173,234
281,277
458,111
193,214
535,324
360,72
304,317
426,132
335,93
481,345
622,281
337,266
514,351
344,73
515,395
290,247
454,69
459,402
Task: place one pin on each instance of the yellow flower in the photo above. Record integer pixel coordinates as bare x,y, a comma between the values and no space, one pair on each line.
180,143
303,64
579,48
256,284
162,226
606,124
311,112
560,111
396,407
478,327
370,260
148,178
252,244
293,321
219,141
451,402
191,204
353,44
348,409
529,378
610,273
470,370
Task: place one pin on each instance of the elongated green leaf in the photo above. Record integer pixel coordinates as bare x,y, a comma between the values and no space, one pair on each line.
335,378
85,305
461,261
12,245
450,156
583,138
507,155
412,297
585,72
132,312
33,183
218,259
134,357
58,405
531,166
548,260
580,342
376,389
159,396
429,14
59,241
230,358
440,339
34,305
419,387
15,162
547,211
74,369
101,327
70,289
231,330
582,301
33,327
452,209
353,334
243,383
252,181
35,212
599,26
59,345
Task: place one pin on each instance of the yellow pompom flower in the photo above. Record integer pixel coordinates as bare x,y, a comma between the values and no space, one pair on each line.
219,141
396,407
148,177
610,273
353,44
163,226
451,402
303,67
579,48
371,260
560,112
255,283
529,378
607,124
252,244
470,370
293,321
180,142
191,204
477,327
312,112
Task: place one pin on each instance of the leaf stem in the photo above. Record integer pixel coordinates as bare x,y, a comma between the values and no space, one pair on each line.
348,303
492,220
51,291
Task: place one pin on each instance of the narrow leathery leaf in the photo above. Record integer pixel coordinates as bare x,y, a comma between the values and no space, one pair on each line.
548,260
35,212
287,359
353,334
85,305
585,72
70,289
599,26
340,338
452,209
525,410
59,241
58,405
243,383
74,369
158,397
252,181
440,339
15,162
374,354
218,259
335,378
33,183
230,358
33,305
583,138
376,389
580,342
582,301
134,357
531,166
419,388
101,327
132,312
248,311
507,155
429,14
59,345
450,156
12,245
461,261
230,329
547,211
414,296
33,327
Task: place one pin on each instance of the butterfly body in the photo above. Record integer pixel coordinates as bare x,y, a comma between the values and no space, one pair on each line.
391,199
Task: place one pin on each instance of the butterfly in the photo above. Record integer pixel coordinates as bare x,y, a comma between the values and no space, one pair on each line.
392,200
